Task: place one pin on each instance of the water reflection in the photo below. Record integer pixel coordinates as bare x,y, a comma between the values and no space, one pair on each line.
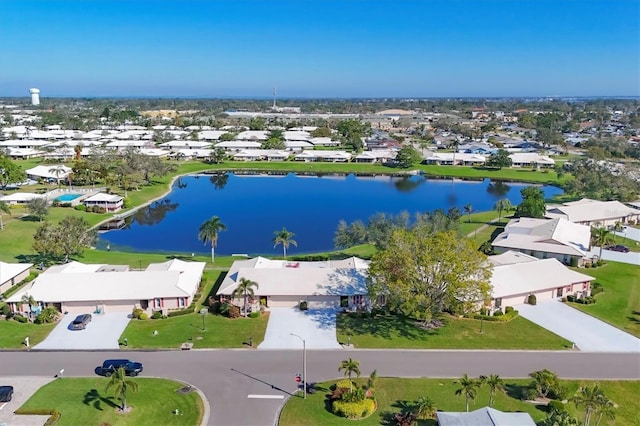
409,183
152,214
498,189
219,180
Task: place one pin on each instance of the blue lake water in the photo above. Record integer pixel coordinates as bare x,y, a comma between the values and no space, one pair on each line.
253,207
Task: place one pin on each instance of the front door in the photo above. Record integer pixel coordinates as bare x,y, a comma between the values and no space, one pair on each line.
559,291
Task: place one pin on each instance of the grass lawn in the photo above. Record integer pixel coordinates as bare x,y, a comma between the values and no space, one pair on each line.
12,333
220,332
84,401
398,332
619,304
396,395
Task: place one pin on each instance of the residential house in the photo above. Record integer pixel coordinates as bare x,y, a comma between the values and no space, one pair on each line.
327,156
594,213
448,158
485,416
109,202
12,274
51,173
376,156
531,159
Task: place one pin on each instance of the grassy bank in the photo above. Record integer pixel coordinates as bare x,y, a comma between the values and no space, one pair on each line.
12,333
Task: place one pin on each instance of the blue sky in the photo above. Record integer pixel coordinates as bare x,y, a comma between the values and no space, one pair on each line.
328,48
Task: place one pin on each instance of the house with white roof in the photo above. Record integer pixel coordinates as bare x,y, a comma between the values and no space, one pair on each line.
53,172
531,159
515,276
109,202
324,142
211,135
283,283
261,154
545,238
23,153
20,197
177,144
376,156
485,416
12,274
237,145
328,156
448,158
84,288
253,135
594,213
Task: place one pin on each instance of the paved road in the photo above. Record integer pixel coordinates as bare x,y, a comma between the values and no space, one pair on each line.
227,377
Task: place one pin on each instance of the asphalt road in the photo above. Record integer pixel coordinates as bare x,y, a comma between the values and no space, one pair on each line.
227,377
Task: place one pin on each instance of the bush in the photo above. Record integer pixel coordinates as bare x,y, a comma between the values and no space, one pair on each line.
556,405
356,395
508,309
354,410
254,314
81,207
532,299
179,312
303,305
156,315
214,307
144,316
571,298
137,312
573,262
233,311
5,309
344,384
126,203
498,313
596,288
499,318
20,318
47,316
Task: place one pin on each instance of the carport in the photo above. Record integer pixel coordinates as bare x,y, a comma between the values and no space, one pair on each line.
103,332
317,326
588,333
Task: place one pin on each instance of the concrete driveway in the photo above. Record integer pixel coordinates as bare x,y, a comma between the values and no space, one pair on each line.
588,333
23,388
102,332
316,326
632,258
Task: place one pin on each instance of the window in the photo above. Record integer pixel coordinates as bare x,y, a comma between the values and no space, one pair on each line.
181,302
499,303
357,299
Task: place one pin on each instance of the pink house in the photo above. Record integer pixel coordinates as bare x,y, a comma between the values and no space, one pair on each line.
110,202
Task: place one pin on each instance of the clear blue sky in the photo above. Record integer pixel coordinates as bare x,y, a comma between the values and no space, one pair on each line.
320,48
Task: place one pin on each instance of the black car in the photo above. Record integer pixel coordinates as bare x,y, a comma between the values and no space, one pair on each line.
131,368
81,321
620,248
6,392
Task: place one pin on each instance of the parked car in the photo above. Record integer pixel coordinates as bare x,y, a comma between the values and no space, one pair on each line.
619,247
131,368
6,392
81,321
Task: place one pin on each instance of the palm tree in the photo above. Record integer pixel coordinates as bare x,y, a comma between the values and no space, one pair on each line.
468,209
245,287
469,388
57,171
495,384
425,408
121,385
4,208
285,238
28,300
209,233
350,366
618,228
600,237
605,407
503,204
589,397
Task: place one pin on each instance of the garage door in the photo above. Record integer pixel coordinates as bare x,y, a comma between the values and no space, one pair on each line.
79,307
119,305
283,301
321,302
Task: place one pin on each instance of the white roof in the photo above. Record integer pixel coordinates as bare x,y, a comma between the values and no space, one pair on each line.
283,278
186,144
19,197
510,257
253,135
485,416
591,211
103,197
10,270
378,153
531,157
47,172
154,152
323,154
545,235
323,141
211,134
459,156
238,144
529,277
298,144
296,135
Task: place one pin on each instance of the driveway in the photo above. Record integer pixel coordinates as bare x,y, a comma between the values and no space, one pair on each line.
23,388
316,326
102,332
588,333
632,258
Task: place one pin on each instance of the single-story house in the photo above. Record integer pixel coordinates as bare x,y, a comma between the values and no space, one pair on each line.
23,153
322,155
177,144
448,158
594,213
377,156
283,283
485,416
261,154
237,145
84,288
517,275
52,172
20,197
545,238
110,202
12,274
253,135
531,159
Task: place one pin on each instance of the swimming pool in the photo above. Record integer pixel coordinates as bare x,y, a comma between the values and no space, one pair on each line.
67,197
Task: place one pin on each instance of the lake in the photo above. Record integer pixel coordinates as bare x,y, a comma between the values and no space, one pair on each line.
254,206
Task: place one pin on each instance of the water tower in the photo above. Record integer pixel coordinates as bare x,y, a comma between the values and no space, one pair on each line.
35,96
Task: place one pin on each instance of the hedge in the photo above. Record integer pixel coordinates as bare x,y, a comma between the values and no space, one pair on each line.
180,312
54,415
344,384
500,318
354,410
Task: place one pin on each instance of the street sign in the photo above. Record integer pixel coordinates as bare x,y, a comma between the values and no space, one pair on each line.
298,378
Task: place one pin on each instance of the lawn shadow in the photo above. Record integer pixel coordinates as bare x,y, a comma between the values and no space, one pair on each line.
518,392
274,387
93,398
211,297
386,326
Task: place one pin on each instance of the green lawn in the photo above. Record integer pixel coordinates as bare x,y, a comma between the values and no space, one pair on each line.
398,332
395,395
619,304
220,332
12,333
84,401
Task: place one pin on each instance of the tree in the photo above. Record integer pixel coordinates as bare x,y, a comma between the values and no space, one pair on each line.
28,300
502,205
10,172
495,384
121,385
209,233
589,397
350,366
244,289
285,238
468,209
70,237
38,207
57,172
532,204
500,159
468,388
600,236
425,408
424,273
4,208
605,408
544,383
560,418
407,156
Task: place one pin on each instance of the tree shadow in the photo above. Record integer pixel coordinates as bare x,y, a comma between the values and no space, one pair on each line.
516,391
30,218
93,398
386,326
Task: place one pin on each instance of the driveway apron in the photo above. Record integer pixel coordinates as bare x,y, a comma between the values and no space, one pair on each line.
316,326
103,332
23,388
588,333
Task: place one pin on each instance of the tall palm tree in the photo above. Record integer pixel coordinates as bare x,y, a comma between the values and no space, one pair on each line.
495,384
4,208
245,288
209,233
589,397
57,171
28,300
121,385
285,238
600,237
618,228
503,204
468,209
606,408
469,388
425,408
350,366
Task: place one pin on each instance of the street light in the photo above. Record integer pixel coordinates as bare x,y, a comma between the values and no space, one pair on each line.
304,364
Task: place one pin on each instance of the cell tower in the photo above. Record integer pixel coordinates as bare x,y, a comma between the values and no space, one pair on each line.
275,91
35,96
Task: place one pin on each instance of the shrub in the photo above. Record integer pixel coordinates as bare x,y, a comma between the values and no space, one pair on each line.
126,202
255,314
354,410
571,298
357,395
344,384
144,316
564,299
48,315
532,300
179,312
20,318
498,313
5,309
234,312
508,309
303,305
81,207
137,312
556,405
156,315
573,262
214,307
596,288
